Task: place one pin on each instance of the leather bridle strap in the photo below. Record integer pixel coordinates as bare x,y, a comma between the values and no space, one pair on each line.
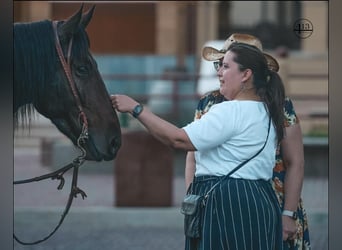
67,69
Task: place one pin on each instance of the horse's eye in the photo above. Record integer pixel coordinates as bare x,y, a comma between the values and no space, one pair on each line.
82,70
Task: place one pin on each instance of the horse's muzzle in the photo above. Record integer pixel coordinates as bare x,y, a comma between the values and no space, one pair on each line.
108,152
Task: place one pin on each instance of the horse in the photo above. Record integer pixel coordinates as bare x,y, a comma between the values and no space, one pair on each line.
56,75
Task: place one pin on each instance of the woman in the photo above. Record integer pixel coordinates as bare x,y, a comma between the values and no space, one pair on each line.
242,212
286,179
295,232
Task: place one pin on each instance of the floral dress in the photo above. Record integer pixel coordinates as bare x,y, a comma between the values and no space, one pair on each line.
302,242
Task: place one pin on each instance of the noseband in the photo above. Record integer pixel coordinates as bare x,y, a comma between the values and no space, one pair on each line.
78,161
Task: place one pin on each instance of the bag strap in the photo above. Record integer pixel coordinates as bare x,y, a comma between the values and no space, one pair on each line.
241,164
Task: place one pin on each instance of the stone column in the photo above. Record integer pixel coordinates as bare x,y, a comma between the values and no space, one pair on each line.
207,23
317,13
171,28
166,30
35,11
181,23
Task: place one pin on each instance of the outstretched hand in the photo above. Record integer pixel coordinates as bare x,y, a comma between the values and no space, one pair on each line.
123,103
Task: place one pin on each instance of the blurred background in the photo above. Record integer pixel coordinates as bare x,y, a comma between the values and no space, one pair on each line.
151,50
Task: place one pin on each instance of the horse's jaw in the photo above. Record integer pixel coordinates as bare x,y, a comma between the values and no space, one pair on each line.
92,153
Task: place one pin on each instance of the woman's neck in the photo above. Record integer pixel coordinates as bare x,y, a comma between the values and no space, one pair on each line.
247,94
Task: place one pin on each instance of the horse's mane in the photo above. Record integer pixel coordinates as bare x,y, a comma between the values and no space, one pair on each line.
34,63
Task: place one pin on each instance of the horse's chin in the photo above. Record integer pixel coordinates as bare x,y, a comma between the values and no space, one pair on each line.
93,154
91,157
97,157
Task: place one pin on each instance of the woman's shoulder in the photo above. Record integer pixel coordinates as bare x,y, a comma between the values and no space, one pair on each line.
236,107
249,104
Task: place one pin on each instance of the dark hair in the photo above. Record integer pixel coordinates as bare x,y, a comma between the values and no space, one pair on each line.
267,83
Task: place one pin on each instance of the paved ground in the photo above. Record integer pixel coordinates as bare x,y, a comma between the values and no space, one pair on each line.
96,224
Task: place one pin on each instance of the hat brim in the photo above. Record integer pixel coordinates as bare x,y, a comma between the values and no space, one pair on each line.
272,63
212,54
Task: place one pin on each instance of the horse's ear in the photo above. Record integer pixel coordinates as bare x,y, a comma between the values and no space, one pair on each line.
87,17
70,26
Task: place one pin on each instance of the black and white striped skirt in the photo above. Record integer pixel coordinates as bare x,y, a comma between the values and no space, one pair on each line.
239,214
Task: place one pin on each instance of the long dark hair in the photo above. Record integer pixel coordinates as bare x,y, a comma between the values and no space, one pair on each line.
268,84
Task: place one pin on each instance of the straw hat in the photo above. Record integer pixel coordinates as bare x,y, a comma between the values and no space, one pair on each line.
212,54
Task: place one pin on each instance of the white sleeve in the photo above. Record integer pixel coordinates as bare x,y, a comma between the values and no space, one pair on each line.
214,128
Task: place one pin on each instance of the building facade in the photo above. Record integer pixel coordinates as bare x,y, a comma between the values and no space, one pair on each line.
180,28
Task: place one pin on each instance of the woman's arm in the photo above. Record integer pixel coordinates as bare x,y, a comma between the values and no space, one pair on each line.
190,166
164,131
293,158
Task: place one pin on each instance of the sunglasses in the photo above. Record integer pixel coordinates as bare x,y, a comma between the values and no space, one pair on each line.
217,65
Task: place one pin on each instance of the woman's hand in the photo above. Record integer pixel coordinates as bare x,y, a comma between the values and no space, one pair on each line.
123,103
289,228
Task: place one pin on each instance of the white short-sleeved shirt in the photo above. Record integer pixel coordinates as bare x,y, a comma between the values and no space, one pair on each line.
230,133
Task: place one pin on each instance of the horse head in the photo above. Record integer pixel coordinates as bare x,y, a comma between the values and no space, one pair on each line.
72,104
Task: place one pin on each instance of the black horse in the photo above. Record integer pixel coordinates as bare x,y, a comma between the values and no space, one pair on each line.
65,86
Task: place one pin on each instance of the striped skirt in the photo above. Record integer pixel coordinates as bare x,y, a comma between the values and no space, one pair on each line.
239,214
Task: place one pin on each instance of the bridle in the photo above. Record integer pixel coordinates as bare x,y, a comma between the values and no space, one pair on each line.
79,160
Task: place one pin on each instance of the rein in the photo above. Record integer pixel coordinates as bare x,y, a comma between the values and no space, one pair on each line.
79,160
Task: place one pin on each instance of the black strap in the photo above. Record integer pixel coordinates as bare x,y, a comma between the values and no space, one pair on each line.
73,194
241,164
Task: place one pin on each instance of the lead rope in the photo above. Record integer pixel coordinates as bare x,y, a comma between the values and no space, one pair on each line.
78,161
